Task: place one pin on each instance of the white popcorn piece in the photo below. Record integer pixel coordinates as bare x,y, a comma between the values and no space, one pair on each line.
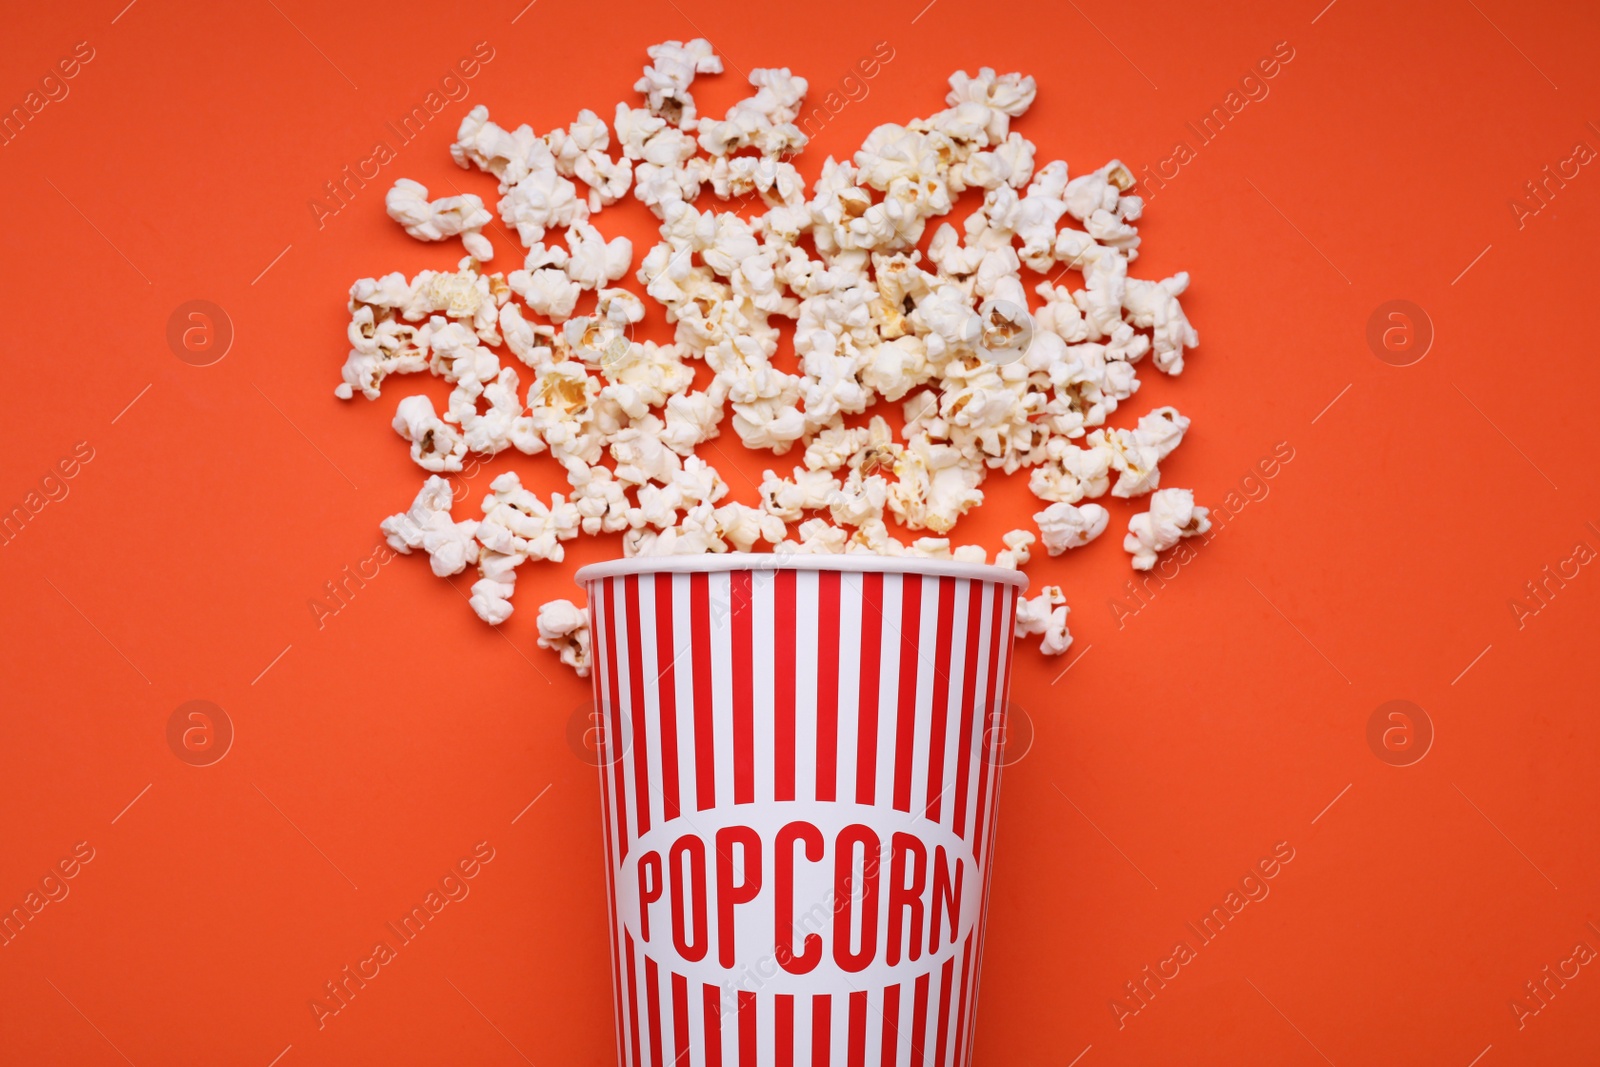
640,456
779,183
509,155
542,201
818,537
836,444
408,204
659,187
382,341
1135,453
548,291
435,444
517,523
1010,94
860,499
1045,614
456,355
1033,614
618,306
517,526
691,419
666,81
637,129
427,525
743,526
1173,515
1063,526
640,377
1070,473
594,262
543,282
1154,306
599,498
587,133
935,488
529,341
871,536
501,426
694,534
379,348
1057,639
807,490
1099,191
594,340
564,629
491,593
1018,551
463,294
764,121
580,151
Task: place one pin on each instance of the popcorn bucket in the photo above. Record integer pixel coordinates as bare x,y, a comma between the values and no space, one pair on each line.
799,798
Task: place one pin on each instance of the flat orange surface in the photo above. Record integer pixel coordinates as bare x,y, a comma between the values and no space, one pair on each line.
1189,733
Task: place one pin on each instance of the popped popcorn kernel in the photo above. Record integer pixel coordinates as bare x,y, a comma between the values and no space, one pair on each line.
564,629
1173,516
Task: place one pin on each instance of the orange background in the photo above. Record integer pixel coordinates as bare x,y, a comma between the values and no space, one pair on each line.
1186,740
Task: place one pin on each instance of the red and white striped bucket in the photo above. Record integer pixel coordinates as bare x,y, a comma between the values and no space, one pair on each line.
799,802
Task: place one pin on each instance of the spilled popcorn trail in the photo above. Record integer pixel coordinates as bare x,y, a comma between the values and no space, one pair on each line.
990,379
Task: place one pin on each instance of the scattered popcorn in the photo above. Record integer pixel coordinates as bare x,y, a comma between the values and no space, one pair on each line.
594,261
1056,639
427,525
798,316
517,526
491,593
742,526
517,523
1172,517
581,151
764,121
1135,453
564,628
666,81
1064,526
1018,550
1045,614
426,220
435,444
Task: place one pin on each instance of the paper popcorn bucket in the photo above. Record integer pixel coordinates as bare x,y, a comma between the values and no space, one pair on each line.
799,803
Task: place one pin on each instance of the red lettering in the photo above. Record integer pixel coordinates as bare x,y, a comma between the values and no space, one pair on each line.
844,891
649,889
946,897
906,898
923,885
729,893
695,849
805,961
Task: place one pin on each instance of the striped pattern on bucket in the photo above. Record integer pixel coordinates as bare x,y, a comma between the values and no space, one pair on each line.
799,809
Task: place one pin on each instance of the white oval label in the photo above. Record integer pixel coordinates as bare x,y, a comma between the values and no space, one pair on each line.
799,897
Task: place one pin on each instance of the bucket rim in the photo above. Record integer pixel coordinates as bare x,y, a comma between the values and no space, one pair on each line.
851,562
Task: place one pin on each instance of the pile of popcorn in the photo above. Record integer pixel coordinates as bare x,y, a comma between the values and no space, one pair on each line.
986,377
